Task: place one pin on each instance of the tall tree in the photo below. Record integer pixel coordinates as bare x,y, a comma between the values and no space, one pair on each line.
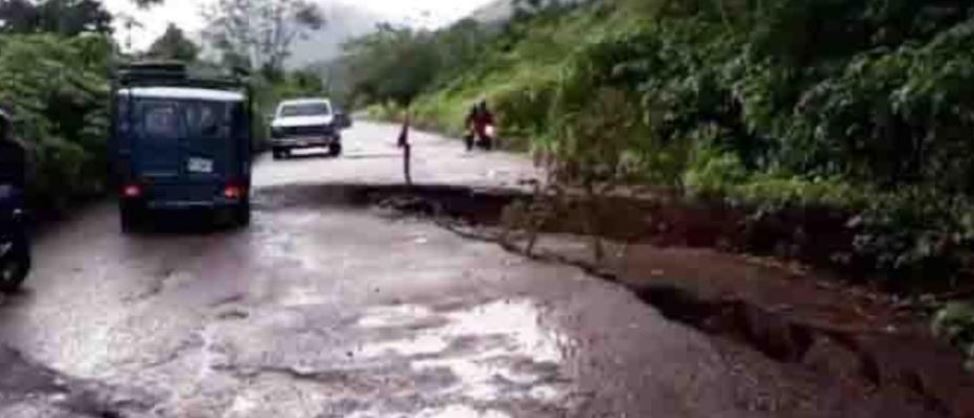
66,17
173,45
391,64
260,31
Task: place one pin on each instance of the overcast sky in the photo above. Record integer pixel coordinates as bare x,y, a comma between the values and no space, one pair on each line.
186,14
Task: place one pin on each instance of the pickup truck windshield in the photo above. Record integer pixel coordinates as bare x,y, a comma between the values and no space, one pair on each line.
305,109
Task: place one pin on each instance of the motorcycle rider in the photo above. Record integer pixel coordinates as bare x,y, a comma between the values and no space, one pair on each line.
477,123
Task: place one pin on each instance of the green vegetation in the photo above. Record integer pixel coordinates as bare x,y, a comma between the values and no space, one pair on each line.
955,322
394,65
54,59
62,17
58,90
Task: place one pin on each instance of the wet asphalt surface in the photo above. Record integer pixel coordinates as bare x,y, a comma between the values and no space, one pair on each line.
332,310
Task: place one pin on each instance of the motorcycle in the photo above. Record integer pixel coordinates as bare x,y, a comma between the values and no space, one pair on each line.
483,141
15,257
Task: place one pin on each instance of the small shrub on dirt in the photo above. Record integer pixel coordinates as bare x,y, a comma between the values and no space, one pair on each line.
955,323
917,235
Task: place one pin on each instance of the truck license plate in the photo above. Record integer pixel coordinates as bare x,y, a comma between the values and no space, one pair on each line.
200,165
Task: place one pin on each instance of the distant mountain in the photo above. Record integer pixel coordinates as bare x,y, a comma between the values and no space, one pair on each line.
499,11
494,12
343,22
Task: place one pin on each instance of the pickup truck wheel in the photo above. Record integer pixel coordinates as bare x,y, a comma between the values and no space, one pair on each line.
335,149
277,153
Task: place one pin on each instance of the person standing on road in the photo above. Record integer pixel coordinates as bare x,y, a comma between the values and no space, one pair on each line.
13,156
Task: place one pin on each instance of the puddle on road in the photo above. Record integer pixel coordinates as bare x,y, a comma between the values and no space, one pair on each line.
393,361
496,351
425,344
517,322
394,316
452,411
301,296
461,411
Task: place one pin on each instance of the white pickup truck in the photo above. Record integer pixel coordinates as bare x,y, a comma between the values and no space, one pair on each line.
305,123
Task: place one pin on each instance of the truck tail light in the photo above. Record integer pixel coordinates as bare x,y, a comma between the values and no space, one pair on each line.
233,191
132,191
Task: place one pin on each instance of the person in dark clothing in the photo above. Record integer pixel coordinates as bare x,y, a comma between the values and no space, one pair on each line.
478,122
479,118
13,156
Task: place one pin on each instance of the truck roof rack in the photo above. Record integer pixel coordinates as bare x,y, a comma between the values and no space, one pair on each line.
169,74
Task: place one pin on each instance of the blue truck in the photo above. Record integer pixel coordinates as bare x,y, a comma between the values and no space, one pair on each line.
180,143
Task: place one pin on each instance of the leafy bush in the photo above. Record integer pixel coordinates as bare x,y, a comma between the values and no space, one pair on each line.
714,173
524,105
955,322
58,90
917,234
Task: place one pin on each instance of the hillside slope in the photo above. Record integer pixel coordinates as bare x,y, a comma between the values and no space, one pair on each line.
499,11
494,12
523,64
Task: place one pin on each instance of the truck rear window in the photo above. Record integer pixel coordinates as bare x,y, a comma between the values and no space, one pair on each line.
170,120
305,109
161,121
208,120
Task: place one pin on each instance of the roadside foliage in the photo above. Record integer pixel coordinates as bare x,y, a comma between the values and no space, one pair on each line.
58,88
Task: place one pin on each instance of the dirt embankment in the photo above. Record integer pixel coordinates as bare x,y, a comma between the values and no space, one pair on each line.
688,261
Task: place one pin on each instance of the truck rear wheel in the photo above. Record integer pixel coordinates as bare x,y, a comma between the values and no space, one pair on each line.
131,217
242,214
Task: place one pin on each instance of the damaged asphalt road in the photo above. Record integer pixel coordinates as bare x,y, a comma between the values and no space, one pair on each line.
334,310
